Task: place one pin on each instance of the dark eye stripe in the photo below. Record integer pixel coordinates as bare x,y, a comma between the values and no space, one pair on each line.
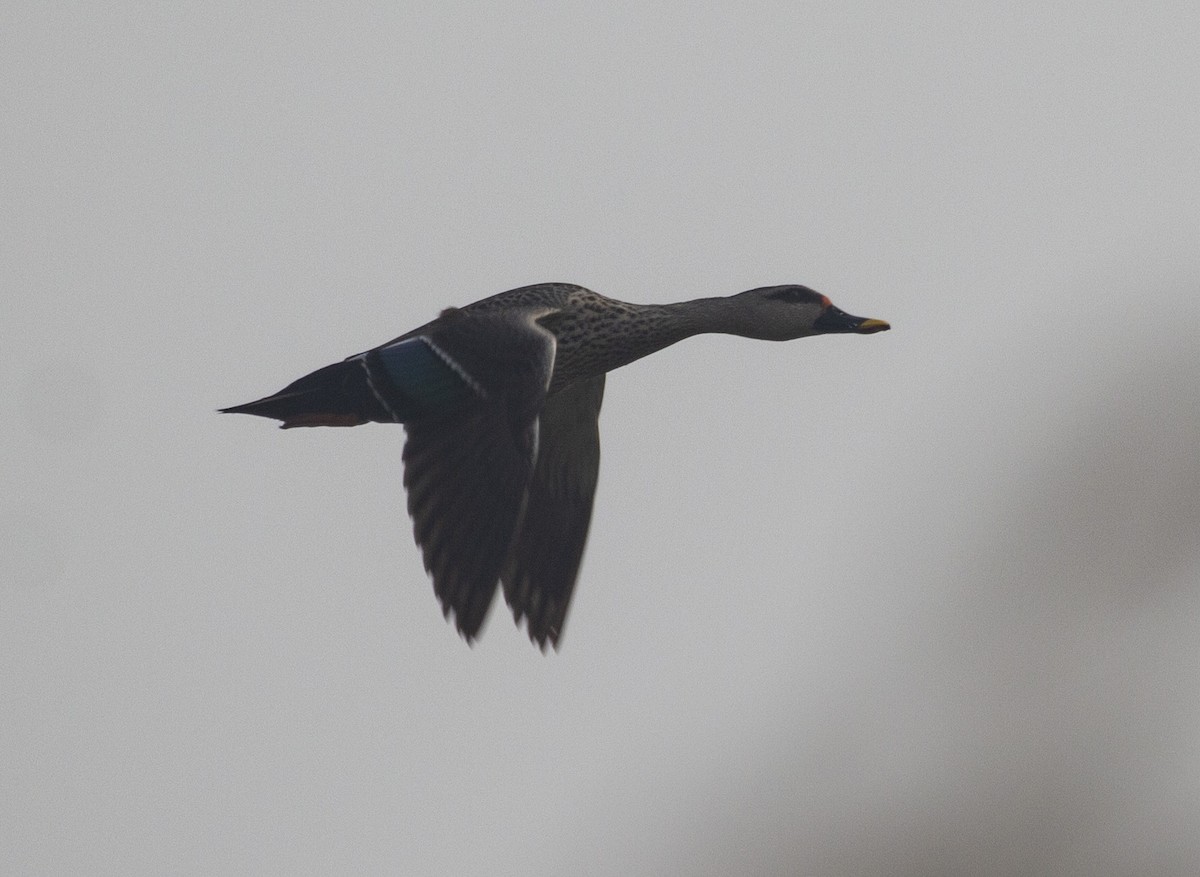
795,295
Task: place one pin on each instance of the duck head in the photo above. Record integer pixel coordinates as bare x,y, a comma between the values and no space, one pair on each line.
781,313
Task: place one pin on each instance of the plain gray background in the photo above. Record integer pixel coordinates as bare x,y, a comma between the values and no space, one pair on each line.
914,604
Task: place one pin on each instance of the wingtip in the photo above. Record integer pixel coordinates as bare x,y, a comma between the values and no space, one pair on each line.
546,639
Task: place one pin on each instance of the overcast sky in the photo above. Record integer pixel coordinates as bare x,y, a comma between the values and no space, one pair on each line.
919,603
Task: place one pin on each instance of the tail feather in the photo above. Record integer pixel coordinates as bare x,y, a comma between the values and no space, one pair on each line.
397,383
337,395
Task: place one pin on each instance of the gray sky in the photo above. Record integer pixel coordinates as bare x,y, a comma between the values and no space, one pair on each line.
918,603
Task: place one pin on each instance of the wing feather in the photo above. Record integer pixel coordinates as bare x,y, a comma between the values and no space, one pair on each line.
544,563
467,471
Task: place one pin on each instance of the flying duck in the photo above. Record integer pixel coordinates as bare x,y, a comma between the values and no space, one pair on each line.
500,401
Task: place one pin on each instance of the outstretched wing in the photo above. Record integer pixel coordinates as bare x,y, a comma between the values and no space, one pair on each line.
467,471
544,562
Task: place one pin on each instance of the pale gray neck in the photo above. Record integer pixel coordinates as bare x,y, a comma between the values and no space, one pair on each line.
647,329
599,339
722,315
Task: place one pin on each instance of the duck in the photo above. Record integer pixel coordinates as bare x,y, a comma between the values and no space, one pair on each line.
500,401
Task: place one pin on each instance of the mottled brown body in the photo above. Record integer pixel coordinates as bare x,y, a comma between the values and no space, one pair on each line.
594,334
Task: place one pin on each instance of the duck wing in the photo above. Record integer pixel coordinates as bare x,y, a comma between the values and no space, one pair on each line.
544,560
467,470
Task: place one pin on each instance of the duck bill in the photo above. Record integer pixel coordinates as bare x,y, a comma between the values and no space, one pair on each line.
834,319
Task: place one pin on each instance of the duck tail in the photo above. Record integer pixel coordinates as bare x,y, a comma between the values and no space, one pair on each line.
402,381
337,395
